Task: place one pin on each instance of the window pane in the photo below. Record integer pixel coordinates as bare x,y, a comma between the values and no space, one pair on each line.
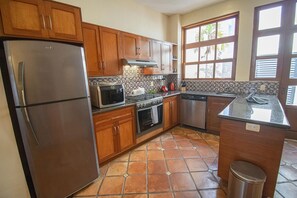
207,53
293,69
206,70
225,50
208,32
192,35
268,45
292,95
191,71
294,48
223,70
266,68
192,55
226,28
270,18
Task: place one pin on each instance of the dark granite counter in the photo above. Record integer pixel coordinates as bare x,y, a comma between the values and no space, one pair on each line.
202,93
271,114
169,93
96,110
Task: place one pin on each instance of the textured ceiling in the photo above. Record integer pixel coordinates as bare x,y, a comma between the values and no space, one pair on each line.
170,7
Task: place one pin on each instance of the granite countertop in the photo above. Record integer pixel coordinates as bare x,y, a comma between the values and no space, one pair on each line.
96,110
271,114
202,93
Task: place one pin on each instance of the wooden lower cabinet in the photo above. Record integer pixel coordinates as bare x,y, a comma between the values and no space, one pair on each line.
214,106
115,132
170,112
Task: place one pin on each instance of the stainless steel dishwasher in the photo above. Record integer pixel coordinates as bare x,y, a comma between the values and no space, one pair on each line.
193,110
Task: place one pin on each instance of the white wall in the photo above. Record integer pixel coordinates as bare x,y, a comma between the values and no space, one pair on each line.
246,17
12,179
125,15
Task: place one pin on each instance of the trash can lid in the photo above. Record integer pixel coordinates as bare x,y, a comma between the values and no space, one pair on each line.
247,172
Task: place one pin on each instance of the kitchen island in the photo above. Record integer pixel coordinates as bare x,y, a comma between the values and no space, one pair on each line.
253,133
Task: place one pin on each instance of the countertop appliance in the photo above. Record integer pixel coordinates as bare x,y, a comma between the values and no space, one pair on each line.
47,91
193,110
149,112
107,95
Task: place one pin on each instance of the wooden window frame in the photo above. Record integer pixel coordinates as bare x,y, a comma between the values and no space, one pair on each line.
214,42
282,31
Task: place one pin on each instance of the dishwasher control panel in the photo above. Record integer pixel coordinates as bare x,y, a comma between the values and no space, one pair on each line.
193,97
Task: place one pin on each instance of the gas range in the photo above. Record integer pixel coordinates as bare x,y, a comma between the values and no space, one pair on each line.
146,100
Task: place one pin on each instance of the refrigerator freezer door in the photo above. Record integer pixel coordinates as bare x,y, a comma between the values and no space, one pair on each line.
42,71
63,160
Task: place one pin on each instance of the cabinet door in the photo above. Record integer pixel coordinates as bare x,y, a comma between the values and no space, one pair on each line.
145,48
214,106
174,111
106,141
110,49
166,115
166,65
126,133
156,56
23,18
63,21
92,49
130,46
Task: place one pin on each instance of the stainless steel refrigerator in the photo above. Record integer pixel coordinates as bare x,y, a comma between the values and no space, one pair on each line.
51,101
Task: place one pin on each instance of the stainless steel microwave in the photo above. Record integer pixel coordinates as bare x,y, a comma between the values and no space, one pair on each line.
105,95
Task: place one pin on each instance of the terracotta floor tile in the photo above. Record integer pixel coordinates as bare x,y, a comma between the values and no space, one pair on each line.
138,156
136,196
154,146
199,143
192,153
155,155
109,196
292,142
288,172
141,148
103,169
161,195
289,157
117,168
157,139
180,137
217,193
123,158
206,152
204,180
172,154
194,136
166,137
157,167
112,185
137,168
287,190
135,184
187,194
196,165
182,181
212,163
92,189
169,145
184,143
177,166
158,183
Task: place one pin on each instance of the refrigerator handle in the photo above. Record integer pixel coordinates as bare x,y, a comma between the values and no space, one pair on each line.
21,78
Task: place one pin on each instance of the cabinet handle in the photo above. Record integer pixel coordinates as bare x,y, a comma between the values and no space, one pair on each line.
114,130
118,129
43,21
50,22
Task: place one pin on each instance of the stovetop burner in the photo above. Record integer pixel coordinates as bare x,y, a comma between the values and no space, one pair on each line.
146,100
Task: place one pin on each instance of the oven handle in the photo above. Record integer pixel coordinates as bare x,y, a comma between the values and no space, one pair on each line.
149,107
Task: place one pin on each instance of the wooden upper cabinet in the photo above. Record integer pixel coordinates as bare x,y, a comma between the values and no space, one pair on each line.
23,18
41,19
92,49
110,50
166,58
64,21
130,45
136,47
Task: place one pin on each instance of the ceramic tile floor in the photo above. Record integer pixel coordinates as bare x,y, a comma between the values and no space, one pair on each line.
180,163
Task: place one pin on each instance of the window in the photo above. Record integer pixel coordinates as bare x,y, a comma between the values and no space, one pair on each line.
210,48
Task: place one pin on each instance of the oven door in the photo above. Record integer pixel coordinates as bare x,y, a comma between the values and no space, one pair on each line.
145,121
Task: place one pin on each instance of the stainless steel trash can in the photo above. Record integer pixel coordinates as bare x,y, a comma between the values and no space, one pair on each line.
245,180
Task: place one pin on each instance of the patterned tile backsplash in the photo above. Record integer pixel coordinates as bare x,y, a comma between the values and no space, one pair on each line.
238,87
133,78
